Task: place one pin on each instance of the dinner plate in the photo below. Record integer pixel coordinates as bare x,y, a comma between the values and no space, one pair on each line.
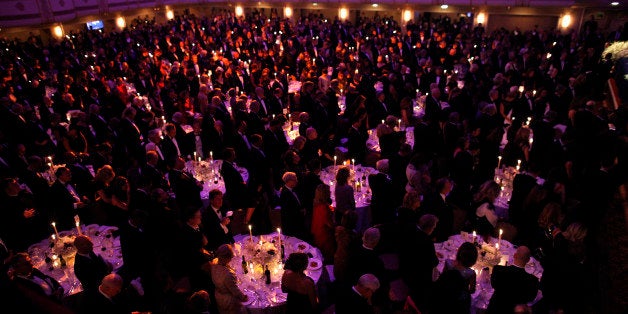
314,264
302,247
251,299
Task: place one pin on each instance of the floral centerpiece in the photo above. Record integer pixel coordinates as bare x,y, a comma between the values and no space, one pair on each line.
617,50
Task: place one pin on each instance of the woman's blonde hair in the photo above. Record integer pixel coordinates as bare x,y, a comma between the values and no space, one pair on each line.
550,215
322,194
575,232
488,190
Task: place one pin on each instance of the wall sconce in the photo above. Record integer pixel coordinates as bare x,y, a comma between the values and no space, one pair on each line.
287,12
120,22
239,11
169,14
343,13
481,18
57,31
407,15
565,22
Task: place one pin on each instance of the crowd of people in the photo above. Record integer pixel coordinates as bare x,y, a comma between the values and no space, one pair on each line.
123,111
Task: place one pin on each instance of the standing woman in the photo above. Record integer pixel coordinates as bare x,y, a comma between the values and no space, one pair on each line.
229,297
301,289
322,222
485,217
343,193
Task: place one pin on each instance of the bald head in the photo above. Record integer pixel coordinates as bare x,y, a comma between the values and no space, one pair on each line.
111,284
522,256
83,244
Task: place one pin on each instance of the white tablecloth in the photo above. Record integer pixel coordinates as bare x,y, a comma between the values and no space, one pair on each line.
362,191
484,291
372,143
106,243
208,171
261,295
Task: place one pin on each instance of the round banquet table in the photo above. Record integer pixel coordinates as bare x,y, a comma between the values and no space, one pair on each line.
372,143
361,191
106,243
208,172
265,250
484,266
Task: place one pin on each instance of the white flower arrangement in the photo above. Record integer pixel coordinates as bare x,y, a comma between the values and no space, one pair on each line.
618,50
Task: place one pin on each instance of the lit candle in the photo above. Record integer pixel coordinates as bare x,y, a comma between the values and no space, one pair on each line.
518,163
499,161
78,228
474,236
199,159
353,162
251,233
211,155
497,246
54,238
382,121
54,226
279,233
499,239
399,123
194,155
335,159
77,223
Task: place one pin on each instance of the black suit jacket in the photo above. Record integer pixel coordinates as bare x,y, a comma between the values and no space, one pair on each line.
513,285
90,270
383,202
215,234
434,204
292,218
416,265
62,206
236,191
34,287
185,188
349,301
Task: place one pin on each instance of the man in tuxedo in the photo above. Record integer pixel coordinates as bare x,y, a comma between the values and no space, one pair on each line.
417,261
433,110
170,145
512,284
154,144
436,203
382,201
379,109
292,210
186,188
236,190
216,222
130,135
260,171
90,268
357,299
67,201
107,299
30,280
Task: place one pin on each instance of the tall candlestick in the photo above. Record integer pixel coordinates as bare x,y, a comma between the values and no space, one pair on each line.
54,226
474,236
518,163
499,161
77,223
279,233
251,233
335,159
499,239
353,162
399,123
194,156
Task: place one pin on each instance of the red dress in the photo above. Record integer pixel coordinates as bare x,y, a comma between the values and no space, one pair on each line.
323,230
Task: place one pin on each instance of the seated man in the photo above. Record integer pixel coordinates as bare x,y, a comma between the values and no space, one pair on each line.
89,267
512,284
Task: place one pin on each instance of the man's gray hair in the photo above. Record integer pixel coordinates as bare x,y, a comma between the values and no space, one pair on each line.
369,281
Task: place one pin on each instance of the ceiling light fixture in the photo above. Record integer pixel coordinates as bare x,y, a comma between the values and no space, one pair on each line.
615,3
444,7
